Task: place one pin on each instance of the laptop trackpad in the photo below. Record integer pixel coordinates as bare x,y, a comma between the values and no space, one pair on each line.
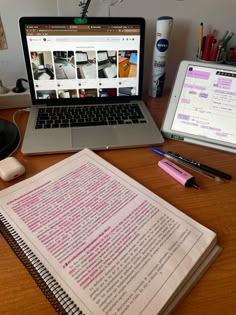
93,137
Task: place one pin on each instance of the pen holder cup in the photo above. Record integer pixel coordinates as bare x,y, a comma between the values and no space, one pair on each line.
230,63
207,61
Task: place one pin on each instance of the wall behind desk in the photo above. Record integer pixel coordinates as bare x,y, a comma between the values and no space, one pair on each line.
12,64
187,14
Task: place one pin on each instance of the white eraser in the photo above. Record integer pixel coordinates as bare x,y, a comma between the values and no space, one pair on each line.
10,168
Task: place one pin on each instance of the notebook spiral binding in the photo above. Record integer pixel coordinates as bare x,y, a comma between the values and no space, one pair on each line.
55,294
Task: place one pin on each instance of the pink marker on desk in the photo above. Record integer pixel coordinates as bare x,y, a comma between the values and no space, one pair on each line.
178,174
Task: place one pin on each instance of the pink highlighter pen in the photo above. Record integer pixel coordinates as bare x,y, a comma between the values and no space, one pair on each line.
178,174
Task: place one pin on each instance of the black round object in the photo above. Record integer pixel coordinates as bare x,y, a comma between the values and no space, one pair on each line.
9,138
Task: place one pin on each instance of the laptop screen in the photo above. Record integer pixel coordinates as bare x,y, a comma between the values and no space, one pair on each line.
202,106
206,105
102,56
77,61
81,57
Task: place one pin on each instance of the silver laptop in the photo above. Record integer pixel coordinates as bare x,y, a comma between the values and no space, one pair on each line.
77,103
202,105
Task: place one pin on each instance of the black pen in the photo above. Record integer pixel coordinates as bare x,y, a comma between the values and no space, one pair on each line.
191,166
190,162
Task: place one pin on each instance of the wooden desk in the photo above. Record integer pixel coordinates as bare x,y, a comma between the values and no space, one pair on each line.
214,207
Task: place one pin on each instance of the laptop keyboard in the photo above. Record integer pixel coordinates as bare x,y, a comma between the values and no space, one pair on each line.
89,115
103,62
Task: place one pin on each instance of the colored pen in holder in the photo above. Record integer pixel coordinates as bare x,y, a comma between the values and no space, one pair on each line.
207,47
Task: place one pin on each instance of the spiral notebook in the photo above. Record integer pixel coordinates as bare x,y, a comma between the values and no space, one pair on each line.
97,242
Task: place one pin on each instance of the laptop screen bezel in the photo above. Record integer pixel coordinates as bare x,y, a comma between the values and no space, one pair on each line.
23,21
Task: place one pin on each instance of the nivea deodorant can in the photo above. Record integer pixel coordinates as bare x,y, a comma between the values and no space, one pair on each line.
163,29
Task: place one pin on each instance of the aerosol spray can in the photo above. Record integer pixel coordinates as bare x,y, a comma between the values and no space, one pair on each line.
163,29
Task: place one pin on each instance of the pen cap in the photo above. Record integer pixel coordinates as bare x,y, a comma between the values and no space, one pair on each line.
176,172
